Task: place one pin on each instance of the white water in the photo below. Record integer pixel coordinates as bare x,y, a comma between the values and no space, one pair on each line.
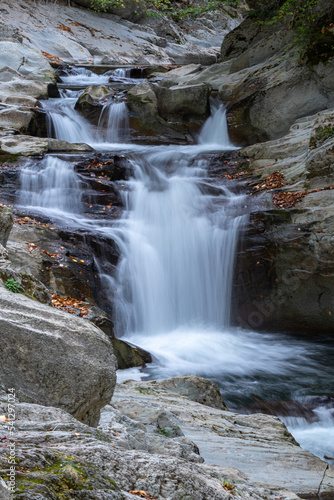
83,77
317,436
113,126
65,123
52,184
213,131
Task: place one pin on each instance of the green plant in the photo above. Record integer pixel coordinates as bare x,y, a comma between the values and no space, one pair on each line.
324,133
309,24
13,286
176,10
164,432
229,486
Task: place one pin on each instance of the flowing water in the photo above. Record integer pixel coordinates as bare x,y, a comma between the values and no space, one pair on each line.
178,241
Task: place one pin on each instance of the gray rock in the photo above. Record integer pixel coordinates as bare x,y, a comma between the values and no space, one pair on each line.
250,443
26,60
4,490
7,74
129,355
131,10
6,224
90,102
59,360
4,259
184,102
195,388
179,73
61,456
30,285
144,115
24,145
15,119
57,145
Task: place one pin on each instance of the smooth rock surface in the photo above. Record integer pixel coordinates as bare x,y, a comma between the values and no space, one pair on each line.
53,358
59,455
258,445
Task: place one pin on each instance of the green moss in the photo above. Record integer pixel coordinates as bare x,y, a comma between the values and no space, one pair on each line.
322,134
6,157
62,476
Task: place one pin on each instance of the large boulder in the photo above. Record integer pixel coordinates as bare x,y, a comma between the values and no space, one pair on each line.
54,359
90,102
185,102
145,119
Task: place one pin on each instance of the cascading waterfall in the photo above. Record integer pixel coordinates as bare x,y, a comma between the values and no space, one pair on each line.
179,263
114,122
178,243
51,184
66,124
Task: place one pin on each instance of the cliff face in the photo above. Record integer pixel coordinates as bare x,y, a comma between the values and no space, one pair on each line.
280,100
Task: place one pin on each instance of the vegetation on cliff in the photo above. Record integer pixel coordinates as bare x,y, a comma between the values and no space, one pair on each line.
311,22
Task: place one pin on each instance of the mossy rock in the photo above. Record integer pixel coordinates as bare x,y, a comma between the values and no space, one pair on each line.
62,478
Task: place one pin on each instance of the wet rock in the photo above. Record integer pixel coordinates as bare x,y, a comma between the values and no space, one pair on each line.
89,103
59,360
184,102
102,321
145,119
61,146
6,224
129,355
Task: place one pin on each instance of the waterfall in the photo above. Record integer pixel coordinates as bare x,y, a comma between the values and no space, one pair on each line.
65,123
114,122
215,129
51,184
180,253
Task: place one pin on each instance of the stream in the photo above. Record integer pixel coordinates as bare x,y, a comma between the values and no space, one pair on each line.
178,238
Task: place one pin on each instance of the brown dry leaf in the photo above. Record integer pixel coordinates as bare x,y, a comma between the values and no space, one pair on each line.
287,200
272,181
142,494
70,305
64,28
50,56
